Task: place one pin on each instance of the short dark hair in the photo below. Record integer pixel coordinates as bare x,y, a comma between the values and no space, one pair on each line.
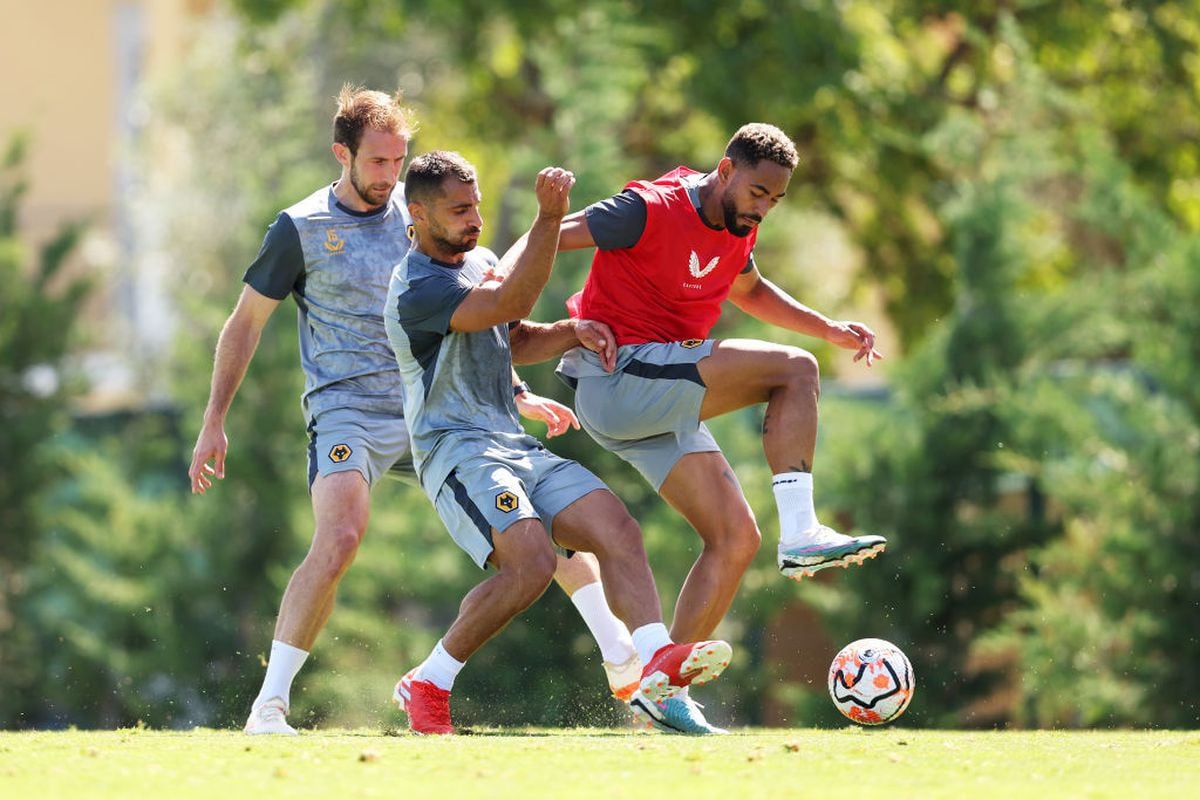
359,109
428,171
758,141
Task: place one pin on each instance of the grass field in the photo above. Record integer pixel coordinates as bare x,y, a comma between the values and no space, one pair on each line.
592,763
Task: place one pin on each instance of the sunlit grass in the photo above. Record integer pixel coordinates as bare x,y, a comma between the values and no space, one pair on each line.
596,763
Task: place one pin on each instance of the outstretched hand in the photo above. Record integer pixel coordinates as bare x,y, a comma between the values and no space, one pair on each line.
855,336
558,418
599,338
553,190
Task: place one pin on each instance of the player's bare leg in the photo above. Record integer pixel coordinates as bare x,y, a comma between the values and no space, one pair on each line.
745,372
341,506
742,372
572,574
599,523
703,488
525,564
579,577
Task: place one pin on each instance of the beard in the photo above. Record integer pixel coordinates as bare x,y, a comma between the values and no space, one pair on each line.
732,218
374,195
465,242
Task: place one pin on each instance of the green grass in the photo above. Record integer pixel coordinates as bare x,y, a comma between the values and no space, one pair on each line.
587,763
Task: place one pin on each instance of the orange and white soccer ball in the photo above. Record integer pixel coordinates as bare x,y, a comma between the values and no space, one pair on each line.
871,681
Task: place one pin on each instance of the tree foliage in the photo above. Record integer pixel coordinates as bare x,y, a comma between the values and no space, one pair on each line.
1013,184
39,308
1043,549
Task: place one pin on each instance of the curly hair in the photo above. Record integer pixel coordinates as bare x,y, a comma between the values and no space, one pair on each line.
426,173
359,109
758,141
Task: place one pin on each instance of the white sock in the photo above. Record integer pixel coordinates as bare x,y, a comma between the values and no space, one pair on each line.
616,646
794,499
282,667
649,639
440,668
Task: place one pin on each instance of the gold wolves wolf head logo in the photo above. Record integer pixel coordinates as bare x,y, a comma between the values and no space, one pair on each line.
507,501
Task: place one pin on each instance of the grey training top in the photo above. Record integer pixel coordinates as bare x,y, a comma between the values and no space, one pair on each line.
336,263
457,386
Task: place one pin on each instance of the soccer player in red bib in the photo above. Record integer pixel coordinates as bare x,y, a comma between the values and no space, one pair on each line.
668,253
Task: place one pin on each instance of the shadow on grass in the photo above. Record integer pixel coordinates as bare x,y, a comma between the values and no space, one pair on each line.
589,733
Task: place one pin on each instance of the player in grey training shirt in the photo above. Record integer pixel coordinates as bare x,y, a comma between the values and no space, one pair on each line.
502,496
333,252
307,253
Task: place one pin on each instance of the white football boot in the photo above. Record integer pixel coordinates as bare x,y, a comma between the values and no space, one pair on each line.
823,547
624,679
269,717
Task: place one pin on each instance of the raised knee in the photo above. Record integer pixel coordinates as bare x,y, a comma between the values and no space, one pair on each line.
804,370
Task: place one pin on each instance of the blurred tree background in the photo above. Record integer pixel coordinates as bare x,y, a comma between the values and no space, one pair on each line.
1010,189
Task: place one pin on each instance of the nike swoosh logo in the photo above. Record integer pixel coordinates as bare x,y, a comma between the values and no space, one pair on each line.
649,709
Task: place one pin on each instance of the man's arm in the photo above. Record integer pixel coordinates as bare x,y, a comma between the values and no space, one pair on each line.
763,300
575,233
613,223
235,348
491,303
610,224
557,417
532,342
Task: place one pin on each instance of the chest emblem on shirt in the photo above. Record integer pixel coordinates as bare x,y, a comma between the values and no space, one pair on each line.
694,265
339,453
333,242
507,501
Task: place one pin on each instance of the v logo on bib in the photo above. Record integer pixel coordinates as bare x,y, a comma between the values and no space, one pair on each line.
694,265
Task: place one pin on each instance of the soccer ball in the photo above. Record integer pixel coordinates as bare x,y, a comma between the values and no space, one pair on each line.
871,681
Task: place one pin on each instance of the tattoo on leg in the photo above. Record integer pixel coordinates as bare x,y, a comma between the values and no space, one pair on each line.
729,476
766,419
804,467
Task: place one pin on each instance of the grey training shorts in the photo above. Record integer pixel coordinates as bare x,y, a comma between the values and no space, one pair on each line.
374,444
492,491
647,411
